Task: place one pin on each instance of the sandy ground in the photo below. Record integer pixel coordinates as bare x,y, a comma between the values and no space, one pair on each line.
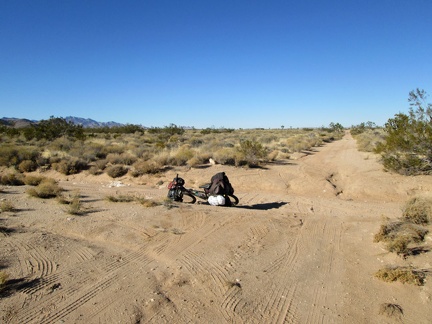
298,249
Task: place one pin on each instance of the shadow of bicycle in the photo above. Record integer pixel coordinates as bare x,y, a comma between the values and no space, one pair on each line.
265,206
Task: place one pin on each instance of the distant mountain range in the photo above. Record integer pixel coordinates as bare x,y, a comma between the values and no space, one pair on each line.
85,122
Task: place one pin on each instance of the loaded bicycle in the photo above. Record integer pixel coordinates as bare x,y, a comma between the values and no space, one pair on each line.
177,192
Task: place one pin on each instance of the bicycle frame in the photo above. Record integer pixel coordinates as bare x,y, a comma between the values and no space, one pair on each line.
177,192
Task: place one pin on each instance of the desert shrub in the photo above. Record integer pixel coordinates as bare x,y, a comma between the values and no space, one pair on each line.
225,156
70,166
198,159
162,159
52,129
12,155
94,170
123,158
27,166
48,188
148,202
141,167
6,206
418,210
401,274
11,179
116,171
407,147
32,180
252,153
61,144
397,236
3,279
101,164
368,140
75,205
183,154
121,198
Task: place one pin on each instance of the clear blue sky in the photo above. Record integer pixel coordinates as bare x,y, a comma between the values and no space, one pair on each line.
205,63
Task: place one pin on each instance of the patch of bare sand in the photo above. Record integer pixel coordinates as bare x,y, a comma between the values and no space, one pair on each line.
298,249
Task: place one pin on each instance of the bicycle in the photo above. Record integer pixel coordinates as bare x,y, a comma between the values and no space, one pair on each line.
177,192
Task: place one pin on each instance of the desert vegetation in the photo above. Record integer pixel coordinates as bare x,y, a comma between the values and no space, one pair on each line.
405,237
135,150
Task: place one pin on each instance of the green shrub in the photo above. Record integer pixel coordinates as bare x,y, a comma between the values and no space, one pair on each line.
407,147
252,153
116,171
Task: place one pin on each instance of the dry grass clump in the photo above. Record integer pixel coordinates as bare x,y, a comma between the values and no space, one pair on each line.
32,180
402,274
73,202
418,210
398,235
391,310
145,202
120,198
6,206
3,279
48,188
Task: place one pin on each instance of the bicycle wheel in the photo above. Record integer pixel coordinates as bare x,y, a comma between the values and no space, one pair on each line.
188,198
236,200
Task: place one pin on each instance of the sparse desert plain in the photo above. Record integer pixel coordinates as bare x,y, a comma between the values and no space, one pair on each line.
299,248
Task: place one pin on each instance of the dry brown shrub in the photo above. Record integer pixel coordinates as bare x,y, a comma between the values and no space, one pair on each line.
226,156
32,180
12,179
6,206
402,274
27,166
116,171
144,167
418,210
184,154
148,202
48,188
121,198
3,279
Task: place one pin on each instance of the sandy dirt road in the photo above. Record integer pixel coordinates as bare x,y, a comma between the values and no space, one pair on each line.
298,249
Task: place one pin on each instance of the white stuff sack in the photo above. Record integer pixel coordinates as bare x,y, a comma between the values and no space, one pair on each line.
216,200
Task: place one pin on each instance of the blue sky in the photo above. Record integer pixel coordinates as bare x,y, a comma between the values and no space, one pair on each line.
236,64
